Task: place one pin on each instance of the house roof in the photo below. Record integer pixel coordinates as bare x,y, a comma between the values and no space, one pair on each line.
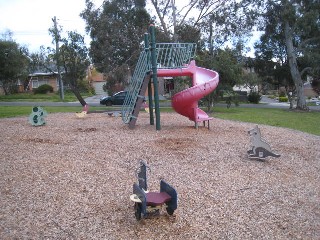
42,74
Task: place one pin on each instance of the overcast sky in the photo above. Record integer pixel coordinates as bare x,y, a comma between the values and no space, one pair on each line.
29,20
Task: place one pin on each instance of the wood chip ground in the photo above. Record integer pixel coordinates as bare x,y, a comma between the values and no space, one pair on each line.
72,178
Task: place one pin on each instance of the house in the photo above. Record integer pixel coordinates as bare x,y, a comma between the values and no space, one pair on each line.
37,79
34,81
308,90
248,68
96,80
161,87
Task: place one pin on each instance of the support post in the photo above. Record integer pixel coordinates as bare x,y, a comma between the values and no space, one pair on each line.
147,49
154,76
150,103
57,38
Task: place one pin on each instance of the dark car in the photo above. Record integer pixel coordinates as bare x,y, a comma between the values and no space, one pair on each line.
115,99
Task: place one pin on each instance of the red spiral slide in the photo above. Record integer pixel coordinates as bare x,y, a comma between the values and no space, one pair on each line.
204,81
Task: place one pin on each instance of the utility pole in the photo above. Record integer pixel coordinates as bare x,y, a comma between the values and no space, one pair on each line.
56,37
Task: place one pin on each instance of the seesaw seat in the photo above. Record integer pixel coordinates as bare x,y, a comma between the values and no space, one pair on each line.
157,198
151,202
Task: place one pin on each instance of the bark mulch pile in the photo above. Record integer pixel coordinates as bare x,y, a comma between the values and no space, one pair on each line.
72,178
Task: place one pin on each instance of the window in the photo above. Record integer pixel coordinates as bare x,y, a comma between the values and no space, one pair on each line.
34,82
43,81
168,85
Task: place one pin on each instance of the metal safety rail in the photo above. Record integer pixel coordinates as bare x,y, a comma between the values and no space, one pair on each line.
175,55
168,55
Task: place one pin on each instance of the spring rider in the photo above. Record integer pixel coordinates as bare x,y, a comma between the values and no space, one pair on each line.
145,202
37,116
260,149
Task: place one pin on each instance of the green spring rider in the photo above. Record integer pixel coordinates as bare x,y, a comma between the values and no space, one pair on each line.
37,116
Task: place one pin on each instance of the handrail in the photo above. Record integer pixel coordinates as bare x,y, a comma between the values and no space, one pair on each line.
175,55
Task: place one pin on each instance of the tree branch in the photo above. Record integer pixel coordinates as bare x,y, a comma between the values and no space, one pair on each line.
307,41
161,16
305,70
207,9
185,15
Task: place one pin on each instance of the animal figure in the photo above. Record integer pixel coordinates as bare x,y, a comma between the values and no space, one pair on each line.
81,114
114,114
84,112
260,149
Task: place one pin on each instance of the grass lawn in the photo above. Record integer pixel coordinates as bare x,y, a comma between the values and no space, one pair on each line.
302,121
14,111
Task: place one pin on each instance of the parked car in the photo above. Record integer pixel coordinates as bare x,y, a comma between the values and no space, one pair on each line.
115,99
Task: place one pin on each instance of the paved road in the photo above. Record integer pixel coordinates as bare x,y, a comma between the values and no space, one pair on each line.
94,101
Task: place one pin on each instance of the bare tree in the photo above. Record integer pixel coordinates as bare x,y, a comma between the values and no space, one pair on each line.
172,15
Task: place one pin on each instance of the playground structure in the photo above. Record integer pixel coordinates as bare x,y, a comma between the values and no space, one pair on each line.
37,116
168,60
260,149
145,202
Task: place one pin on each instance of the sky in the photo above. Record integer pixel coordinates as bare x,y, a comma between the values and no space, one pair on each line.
29,20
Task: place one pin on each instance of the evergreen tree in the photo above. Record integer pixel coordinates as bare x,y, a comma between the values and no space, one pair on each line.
75,62
117,29
226,63
13,65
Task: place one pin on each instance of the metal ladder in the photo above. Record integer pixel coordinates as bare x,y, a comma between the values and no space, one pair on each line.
136,91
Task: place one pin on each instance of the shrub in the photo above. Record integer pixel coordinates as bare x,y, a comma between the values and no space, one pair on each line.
254,97
43,89
282,94
283,99
272,97
85,87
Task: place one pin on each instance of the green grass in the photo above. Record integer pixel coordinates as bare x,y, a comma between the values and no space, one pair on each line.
302,121
13,111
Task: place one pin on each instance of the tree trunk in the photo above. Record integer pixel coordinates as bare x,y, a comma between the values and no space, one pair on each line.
173,6
5,89
295,74
290,97
78,96
210,38
290,93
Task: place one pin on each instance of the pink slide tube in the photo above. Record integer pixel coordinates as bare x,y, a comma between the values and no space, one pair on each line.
204,81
